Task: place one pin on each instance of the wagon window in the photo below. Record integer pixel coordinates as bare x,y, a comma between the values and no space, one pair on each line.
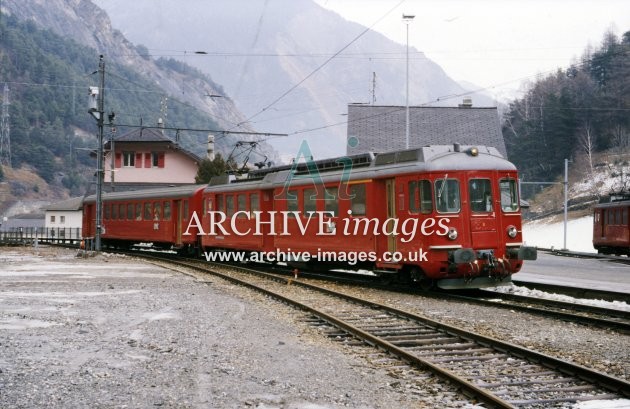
121,211
130,215
292,202
624,216
447,197
509,195
106,212
254,202
480,195
310,201
331,204
147,211
357,200
167,210
157,211
114,211
220,203
229,205
241,204
138,211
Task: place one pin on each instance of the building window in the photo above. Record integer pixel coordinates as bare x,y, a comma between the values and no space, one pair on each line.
52,219
129,159
62,219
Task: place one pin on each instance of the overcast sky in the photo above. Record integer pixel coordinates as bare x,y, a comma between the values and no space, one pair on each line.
493,42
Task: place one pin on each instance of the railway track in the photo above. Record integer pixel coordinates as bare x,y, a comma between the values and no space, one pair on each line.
484,369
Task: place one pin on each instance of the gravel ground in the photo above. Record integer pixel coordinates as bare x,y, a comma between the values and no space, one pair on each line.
109,332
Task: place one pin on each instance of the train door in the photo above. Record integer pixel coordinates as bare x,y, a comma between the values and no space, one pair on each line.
178,221
482,202
390,192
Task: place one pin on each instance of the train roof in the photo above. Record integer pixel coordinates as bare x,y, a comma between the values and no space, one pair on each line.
433,158
161,193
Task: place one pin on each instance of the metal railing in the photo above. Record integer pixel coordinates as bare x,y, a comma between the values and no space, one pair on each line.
31,235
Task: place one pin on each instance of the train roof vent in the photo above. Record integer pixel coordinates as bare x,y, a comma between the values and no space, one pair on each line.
324,165
219,180
411,155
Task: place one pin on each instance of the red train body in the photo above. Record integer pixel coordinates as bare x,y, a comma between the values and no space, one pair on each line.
157,216
439,215
611,232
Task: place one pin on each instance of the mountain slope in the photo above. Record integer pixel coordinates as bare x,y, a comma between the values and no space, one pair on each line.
259,49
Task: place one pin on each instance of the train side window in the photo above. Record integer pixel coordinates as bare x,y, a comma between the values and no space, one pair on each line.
106,212
618,218
624,216
185,211
167,210
426,200
509,195
241,204
414,196
229,205
147,211
220,203
480,195
447,196
114,211
130,215
292,202
157,211
357,200
331,202
310,201
138,211
121,211
254,202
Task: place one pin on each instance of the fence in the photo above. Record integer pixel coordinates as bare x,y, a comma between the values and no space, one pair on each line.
29,235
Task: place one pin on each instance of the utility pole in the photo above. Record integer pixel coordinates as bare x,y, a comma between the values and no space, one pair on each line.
407,19
5,130
97,98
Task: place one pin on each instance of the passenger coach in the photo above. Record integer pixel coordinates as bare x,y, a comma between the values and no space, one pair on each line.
157,216
438,215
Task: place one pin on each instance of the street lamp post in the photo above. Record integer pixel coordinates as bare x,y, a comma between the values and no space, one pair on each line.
98,112
407,19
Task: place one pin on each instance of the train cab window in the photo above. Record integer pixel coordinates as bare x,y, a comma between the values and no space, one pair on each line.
447,198
167,210
106,212
157,211
480,195
229,205
114,211
138,211
357,200
420,196
130,215
509,195
292,202
148,215
331,204
254,202
310,201
122,211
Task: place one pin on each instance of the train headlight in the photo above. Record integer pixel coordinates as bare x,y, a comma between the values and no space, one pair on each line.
452,233
511,231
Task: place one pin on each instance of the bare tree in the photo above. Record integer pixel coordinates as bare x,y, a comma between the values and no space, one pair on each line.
587,143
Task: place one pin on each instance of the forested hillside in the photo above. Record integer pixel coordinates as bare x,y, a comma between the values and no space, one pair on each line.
572,113
48,77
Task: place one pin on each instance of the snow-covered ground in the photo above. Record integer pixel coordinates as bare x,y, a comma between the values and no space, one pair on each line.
540,233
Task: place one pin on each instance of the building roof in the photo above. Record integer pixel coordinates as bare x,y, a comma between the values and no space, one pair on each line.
151,135
380,128
74,204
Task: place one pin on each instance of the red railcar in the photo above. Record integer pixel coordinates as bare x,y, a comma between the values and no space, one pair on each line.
611,232
157,216
439,215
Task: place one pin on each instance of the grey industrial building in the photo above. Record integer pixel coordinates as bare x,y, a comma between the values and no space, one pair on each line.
377,128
